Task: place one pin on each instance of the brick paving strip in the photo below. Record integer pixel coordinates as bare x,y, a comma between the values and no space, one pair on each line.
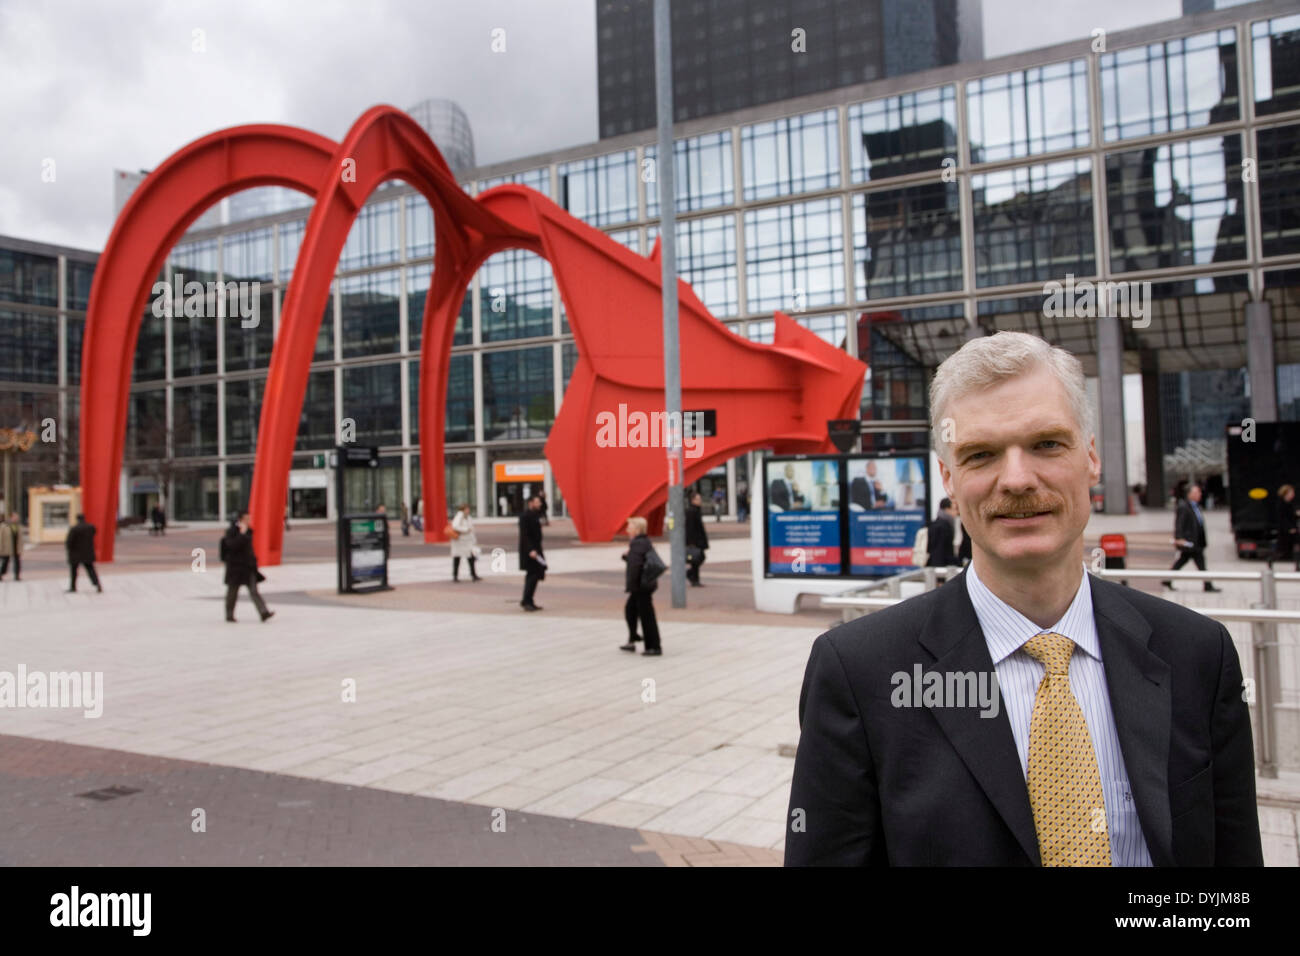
89,806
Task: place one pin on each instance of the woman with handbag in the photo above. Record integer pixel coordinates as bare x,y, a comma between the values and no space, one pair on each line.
643,569
464,543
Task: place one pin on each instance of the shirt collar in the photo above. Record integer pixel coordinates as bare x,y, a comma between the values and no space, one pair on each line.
1006,630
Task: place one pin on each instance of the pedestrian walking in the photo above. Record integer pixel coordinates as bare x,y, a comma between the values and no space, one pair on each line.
80,544
11,546
697,539
719,500
942,534
241,568
640,582
545,508
464,543
406,520
159,518
1189,535
532,559
1288,527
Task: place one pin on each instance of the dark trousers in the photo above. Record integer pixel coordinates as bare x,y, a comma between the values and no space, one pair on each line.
18,566
693,567
640,605
232,594
530,586
455,568
90,570
1196,555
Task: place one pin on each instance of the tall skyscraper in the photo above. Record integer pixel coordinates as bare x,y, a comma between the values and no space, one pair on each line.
732,54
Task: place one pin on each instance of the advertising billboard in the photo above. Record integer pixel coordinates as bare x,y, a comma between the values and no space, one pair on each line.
843,515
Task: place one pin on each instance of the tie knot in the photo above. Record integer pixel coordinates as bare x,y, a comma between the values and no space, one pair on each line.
1052,650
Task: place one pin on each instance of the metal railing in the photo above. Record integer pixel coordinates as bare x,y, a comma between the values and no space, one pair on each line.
1264,617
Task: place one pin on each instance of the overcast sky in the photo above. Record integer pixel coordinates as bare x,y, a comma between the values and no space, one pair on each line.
98,86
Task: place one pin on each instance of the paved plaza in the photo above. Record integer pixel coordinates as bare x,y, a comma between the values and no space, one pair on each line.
388,728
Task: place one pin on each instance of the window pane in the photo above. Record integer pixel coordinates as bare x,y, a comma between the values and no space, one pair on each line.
249,340
146,424
80,277
417,289
1033,223
459,424
702,173
907,241
706,259
151,347
1028,112
1275,47
600,190
1179,84
291,234
518,400
515,290
903,134
371,313
194,420
791,155
1177,204
419,228
796,256
244,414
247,255
372,397
316,423
1279,189
29,348
538,179
373,239
28,278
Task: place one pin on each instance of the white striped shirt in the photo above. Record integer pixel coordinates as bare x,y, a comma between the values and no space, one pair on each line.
1006,631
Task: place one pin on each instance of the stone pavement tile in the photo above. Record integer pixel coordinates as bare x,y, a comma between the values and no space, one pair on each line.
742,721
747,831
409,781
772,806
510,796
322,769
474,758
457,743
466,785
726,759
552,753
561,775
624,748
646,766
699,813
622,813
697,742
757,779
671,788
578,798
367,773
295,757
1277,820
1279,850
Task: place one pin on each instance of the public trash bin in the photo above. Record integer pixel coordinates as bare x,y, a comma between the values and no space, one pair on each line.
1115,547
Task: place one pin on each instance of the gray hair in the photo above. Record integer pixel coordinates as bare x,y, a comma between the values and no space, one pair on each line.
990,360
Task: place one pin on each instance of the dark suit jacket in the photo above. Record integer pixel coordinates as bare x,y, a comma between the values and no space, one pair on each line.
943,531
80,543
696,536
241,560
779,494
1187,528
530,539
917,786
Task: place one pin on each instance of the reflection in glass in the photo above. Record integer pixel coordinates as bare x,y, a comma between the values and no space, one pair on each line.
246,256
316,423
1279,189
248,348
1176,204
706,260
419,228
518,396
417,290
459,424
1275,47
244,414
538,179
1178,84
373,239
515,292
907,241
1027,112
372,397
29,349
791,155
194,420
371,313
903,134
702,174
28,278
601,190
1033,223
796,256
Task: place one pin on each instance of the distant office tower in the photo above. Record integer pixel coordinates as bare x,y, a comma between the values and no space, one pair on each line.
732,54
448,127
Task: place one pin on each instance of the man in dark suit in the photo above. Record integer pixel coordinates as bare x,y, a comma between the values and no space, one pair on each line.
784,493
532,559
241,568
697,539
80,543
1026,713
943,531
1189,535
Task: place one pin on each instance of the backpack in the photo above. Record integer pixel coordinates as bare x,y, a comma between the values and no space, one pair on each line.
653,567
921,548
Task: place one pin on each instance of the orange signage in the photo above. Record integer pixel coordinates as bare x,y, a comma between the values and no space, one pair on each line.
508,471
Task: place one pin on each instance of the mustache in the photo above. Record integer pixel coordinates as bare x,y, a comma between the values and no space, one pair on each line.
1018,506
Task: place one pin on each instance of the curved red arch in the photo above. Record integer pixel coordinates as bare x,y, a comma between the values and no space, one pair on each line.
776,396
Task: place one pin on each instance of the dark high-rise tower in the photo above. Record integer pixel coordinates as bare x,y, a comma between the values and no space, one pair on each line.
731,54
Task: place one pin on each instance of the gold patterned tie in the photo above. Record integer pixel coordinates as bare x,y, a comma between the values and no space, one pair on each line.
1064,783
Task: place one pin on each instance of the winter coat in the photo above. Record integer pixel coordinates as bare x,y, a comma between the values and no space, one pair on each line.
81,543
465,546
696,536
637,549
11,540
241,560
530,539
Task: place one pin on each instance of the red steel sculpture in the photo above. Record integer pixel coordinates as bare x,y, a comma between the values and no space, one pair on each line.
775,396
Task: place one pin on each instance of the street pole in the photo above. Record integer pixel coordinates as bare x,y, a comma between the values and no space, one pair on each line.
665,166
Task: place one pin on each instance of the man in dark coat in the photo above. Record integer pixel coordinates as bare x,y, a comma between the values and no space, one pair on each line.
943,532
640,599
532,560
81,551
697,539
1189,535
241,567
1288,527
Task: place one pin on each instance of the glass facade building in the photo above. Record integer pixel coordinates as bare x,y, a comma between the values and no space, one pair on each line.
895,221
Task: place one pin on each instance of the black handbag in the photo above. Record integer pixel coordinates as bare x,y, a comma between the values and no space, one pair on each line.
651,569
694,555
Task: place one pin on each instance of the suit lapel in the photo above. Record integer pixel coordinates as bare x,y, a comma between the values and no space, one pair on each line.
1140,701
986,745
